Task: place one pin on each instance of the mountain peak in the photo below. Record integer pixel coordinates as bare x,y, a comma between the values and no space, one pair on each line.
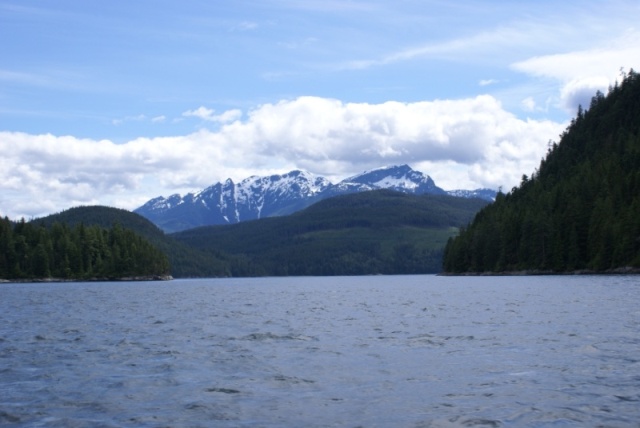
275,195
400,177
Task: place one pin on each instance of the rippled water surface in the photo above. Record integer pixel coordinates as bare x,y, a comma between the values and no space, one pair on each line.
414,351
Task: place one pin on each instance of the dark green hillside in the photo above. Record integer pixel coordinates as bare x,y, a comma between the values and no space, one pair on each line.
184,261
104,217
579,211
34,251
379,232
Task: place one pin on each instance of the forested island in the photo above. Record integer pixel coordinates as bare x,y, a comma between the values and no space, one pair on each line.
578,212
33,251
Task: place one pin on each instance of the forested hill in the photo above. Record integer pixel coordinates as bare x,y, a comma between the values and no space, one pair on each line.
363,233
104,217
580,211
183,260
31,250
376,232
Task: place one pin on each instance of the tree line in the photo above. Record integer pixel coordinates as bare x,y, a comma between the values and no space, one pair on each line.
29,250
376,232
184,261
580,210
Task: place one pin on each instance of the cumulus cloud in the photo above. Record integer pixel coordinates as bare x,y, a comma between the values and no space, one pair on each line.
330,137
209,115
201,112
464,143
38,172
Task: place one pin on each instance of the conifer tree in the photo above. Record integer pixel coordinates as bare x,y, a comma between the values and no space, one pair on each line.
579,210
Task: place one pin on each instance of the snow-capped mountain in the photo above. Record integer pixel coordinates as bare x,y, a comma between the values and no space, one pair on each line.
260,197
401,178
486,194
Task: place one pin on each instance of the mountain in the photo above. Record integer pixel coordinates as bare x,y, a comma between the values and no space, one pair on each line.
486,194
579,211
366,232
399,178
260,197
375,232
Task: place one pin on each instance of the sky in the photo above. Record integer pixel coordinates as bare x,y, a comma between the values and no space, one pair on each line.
115,103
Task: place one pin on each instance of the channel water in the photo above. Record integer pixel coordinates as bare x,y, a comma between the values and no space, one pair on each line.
378,351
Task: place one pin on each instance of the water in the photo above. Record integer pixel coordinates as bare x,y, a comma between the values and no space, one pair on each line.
414,351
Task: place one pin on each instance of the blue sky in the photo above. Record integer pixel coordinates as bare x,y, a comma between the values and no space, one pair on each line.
118,102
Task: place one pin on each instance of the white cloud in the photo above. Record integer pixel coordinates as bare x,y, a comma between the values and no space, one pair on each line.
229,116
623,51
138,118
318,132
487,82
464,143
581,73
201,112
39,172
209,115
529,104
482,46
578,92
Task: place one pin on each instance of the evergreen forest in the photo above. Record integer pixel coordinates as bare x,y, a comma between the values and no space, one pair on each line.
31,250
375,232
184,260
579,211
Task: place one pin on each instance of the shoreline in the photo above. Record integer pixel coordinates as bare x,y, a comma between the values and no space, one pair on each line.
94,279
627,270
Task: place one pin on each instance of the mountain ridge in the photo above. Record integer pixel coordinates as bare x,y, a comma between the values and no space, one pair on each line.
258,197
377,232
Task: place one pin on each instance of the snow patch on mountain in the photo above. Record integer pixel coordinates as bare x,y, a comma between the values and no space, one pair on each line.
487,194
258,197
391,182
